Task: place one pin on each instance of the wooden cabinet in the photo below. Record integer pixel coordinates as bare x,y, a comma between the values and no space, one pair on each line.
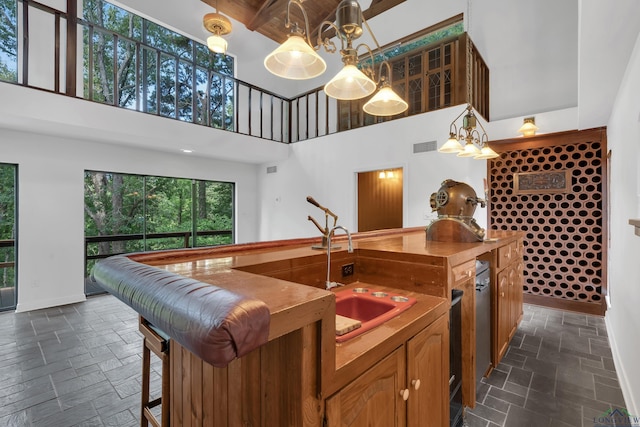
508,298
409,387
373,399
428,376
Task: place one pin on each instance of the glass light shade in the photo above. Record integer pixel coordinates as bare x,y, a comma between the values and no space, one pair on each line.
486,153
469,150
389,174
451,146
529,128
385,103
295,60
217,44
382,175
349,83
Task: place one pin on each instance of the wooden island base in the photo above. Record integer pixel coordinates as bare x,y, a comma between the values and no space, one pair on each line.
396,374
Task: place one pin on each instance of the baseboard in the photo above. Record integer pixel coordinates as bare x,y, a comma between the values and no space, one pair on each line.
38,305
594,308
632,405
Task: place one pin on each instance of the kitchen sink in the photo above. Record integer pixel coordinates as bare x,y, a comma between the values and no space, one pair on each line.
367,308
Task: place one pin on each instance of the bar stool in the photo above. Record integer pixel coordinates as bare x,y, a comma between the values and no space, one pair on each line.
157,342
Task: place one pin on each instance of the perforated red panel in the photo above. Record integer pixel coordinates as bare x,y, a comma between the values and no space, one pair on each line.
564,233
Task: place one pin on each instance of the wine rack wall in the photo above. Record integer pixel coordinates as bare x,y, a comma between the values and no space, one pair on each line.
563,220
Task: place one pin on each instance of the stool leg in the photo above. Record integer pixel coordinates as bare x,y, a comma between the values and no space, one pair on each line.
146,362
166,382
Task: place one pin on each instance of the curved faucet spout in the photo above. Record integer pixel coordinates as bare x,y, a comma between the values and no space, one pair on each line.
329,284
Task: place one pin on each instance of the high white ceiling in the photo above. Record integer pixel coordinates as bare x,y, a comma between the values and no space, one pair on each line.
543,55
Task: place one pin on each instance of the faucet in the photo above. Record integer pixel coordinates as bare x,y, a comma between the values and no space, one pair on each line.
329,284
325,231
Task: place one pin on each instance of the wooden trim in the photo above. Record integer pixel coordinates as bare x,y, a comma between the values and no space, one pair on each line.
72,47
550,139
596,309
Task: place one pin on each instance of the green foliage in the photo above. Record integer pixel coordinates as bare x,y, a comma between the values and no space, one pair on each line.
8,40
119,204
173,69
7,222
421,42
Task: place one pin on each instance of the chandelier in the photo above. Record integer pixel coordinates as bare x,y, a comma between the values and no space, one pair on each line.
296,58
465,139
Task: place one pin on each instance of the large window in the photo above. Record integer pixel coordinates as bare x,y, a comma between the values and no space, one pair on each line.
8,40
131,213
7,236
134,63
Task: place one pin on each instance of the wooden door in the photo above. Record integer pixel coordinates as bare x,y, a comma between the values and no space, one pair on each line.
428,370
380,199
373,399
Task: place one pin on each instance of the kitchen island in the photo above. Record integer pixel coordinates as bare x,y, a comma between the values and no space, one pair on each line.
296,374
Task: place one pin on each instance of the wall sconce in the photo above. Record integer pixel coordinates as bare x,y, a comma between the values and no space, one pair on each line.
529,127
465,140
302,62
218,25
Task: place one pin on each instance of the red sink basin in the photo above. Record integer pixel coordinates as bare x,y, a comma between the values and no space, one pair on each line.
370,307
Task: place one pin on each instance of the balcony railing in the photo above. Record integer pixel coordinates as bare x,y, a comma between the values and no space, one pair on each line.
55,51
182,240
183,236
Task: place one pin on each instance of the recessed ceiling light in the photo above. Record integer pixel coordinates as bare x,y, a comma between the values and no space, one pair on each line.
184,150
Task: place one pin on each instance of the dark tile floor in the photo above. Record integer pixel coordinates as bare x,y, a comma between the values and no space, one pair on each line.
76,365
79,365
558,371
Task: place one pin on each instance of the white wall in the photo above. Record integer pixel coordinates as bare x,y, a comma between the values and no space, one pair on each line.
51,197
623,317
326,168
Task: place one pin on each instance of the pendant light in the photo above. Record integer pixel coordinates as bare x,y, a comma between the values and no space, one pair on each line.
295,59
218,25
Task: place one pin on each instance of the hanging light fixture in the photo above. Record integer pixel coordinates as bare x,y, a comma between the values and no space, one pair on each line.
466,140
529,127
295,59
218,25
351,82
386,102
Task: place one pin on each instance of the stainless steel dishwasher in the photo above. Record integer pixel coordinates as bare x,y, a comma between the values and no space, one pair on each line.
483,320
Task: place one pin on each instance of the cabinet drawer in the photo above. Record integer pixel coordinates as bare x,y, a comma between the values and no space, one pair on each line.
463,272
507,253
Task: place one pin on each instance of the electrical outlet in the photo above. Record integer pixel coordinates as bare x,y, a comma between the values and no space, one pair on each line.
347,270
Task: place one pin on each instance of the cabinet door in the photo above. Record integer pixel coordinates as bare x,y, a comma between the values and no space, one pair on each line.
374,399
504,312
518,293
428,376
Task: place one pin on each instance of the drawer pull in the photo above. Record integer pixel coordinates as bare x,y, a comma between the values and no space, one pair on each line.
404,393
415,384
